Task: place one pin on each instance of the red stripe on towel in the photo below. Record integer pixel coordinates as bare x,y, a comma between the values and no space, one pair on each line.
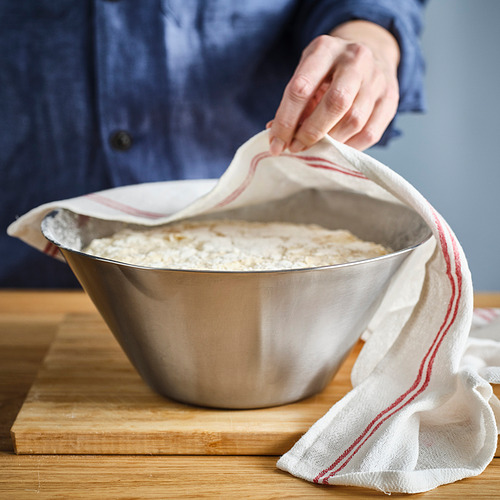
311,161
122,207
486,314
50,249
455,279
425,369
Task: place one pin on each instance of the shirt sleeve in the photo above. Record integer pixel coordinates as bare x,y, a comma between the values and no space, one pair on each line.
403,18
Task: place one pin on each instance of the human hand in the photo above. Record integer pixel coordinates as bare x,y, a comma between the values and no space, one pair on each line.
345,85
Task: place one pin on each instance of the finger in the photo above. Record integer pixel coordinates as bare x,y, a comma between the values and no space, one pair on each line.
314,101
383,113
313,68
336,102
355,119
359,113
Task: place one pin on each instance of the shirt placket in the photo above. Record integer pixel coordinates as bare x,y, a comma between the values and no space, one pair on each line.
129,79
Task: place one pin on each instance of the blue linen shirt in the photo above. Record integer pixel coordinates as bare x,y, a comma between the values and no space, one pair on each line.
97,94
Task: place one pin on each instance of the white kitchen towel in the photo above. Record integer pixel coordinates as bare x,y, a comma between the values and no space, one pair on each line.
421,414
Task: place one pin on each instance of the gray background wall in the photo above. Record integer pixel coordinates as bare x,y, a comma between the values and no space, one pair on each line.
452,153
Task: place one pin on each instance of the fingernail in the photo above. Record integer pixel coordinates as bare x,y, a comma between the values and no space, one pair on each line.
277,146
296,146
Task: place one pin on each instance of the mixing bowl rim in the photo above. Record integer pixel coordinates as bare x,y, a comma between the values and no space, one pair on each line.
225,272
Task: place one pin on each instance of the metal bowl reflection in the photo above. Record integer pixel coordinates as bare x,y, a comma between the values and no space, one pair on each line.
244,339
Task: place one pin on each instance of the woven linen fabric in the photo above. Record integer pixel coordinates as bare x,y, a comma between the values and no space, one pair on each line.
421,413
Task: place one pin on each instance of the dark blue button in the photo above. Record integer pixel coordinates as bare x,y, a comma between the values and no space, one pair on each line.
120,140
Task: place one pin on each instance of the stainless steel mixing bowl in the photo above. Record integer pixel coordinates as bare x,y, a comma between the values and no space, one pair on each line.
244,339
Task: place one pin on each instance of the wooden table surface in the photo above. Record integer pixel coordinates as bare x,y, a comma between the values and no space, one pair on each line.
28,323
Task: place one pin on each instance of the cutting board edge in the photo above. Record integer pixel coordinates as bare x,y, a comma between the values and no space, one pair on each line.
172,443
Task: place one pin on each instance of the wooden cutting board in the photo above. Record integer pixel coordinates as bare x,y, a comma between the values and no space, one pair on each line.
88,399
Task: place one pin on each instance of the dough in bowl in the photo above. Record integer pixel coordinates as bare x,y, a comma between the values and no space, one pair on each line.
235,245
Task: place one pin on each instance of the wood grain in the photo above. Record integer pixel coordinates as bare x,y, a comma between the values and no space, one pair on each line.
121,477
28,321
126,477
487,299
31,303
88,399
